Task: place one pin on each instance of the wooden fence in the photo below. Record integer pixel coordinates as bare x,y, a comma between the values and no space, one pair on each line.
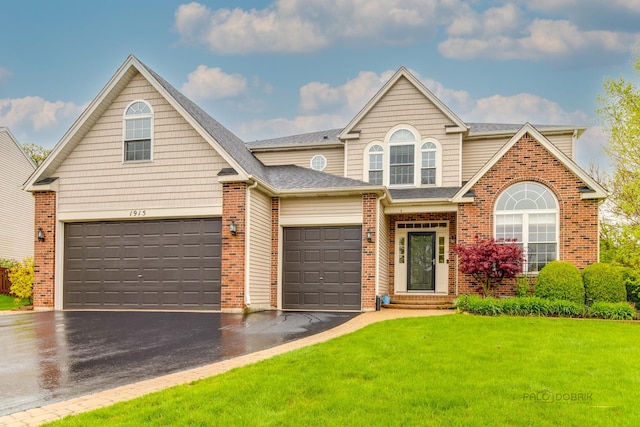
5,285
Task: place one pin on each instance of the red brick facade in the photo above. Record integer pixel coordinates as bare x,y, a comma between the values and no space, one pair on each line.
528,160
369,222
44,252
233,247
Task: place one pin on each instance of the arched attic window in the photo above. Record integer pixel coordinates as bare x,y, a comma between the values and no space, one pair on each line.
402,158
376,164
429,153
528,212
138,131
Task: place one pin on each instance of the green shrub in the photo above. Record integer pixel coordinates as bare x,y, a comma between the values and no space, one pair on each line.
523,286
475,304
603,283
7,263
631,280
560,280
612,311
527,306
21,278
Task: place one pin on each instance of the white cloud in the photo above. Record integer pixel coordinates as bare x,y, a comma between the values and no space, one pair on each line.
591,148
496,20
36,112
213,83
350,97
294,26
543,40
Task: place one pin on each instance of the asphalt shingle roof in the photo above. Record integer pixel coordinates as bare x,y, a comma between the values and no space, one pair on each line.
291,177
313,138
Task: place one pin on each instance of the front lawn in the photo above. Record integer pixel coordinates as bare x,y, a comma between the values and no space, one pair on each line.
8,302
446,370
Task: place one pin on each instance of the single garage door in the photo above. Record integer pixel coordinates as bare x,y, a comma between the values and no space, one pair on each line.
156,265
322,268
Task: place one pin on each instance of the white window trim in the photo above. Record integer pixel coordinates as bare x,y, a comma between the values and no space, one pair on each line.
525,220
366,163
416,155
324,164
438,162
124,131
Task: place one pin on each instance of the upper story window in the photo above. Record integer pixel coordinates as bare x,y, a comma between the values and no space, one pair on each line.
376,162
138,124
318,162
528,212
428,167
402,158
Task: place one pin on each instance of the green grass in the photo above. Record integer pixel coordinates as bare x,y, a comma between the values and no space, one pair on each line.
8,302
453,370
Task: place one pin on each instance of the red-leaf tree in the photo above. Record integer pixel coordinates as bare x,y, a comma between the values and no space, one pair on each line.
490,261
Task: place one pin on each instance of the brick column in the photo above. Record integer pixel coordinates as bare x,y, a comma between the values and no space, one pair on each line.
44,252
369,222
233,247
275,244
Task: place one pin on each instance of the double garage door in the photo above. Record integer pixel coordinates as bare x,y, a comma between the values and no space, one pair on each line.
322,268
157,265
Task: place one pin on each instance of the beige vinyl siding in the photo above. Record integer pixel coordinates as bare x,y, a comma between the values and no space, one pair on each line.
334,156
404,104
260,248
476,153
383,252
321,211
564,143
183,172
16,205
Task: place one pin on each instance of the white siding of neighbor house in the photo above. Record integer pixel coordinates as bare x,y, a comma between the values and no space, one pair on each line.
183,172
383,252
320,211
477,152
334,156
16,205
260,249
405,104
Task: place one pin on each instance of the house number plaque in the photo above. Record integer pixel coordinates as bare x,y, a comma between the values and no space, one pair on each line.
138,212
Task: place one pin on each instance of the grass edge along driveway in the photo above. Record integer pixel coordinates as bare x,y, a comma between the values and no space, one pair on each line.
449,370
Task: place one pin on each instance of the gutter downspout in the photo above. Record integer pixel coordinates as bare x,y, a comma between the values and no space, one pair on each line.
247,244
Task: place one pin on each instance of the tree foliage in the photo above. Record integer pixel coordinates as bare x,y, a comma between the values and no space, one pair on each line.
21,277
37,153
490,261
620,113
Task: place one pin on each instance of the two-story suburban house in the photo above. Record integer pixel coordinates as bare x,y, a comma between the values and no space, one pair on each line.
16,205
149,203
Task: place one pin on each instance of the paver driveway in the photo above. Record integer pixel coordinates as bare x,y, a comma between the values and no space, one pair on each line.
52,356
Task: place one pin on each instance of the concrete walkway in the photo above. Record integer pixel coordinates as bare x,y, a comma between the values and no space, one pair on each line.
58,410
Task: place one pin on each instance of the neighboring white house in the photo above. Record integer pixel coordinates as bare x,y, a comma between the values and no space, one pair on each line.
16,205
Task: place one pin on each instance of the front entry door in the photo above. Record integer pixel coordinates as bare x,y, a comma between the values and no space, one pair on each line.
422,262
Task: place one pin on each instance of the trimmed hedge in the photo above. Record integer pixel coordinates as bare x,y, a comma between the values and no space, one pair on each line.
534,306
631,280
560,280
603,283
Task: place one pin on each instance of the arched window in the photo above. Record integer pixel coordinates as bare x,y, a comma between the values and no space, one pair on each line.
402,158
138,132
428,166
528,212
376,164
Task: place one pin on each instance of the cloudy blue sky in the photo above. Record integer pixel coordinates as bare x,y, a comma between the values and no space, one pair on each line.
267,69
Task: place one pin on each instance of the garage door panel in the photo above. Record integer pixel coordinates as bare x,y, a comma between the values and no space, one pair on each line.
321,265
165,264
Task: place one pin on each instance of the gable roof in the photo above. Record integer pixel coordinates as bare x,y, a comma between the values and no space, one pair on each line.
402,72
230,147
17,145
596,191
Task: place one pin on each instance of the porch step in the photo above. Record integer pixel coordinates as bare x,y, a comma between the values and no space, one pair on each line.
421,302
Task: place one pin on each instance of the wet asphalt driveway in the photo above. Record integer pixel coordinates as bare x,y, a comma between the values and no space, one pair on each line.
47,357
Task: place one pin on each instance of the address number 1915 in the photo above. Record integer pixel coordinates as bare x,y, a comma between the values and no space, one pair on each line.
138,213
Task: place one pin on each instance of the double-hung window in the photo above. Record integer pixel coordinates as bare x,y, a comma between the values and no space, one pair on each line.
402,158
376,164
528,213
138,119
428,167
